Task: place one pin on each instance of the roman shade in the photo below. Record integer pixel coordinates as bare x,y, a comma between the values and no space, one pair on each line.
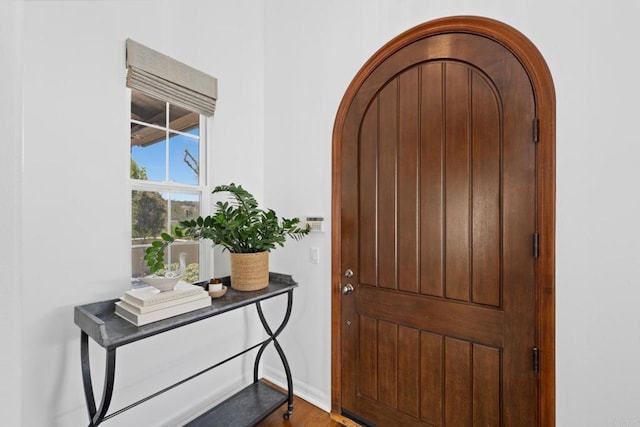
167,79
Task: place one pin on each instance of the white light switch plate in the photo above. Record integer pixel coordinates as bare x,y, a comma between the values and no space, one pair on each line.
314,255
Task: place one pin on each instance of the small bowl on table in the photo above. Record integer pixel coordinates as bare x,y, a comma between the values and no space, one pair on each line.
216,288
161,283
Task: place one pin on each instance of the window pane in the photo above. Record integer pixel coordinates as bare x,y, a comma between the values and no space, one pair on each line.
147,109
184,159
149,216
182,120
148,220
148,152
149,162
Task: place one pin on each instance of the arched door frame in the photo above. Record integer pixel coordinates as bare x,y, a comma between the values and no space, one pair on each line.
544,92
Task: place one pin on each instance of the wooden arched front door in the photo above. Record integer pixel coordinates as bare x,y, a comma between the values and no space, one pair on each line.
443,232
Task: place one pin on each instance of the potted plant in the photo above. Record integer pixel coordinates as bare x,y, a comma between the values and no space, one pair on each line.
241,228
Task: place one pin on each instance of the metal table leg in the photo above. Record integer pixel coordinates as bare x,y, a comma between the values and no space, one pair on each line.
96,416
283,358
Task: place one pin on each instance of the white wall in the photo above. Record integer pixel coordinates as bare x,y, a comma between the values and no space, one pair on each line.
314,49
75,211
283,68
11,211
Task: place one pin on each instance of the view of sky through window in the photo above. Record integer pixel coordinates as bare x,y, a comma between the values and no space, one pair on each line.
182,166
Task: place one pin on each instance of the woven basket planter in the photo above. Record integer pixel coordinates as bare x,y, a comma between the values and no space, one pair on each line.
249,272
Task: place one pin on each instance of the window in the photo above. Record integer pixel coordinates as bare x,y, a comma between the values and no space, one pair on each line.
169,183
168,179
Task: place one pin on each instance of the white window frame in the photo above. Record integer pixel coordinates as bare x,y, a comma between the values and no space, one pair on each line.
203,190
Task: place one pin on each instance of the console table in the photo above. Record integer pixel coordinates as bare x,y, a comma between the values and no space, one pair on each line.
245,408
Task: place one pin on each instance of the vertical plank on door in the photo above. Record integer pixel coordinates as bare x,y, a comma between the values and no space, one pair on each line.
368,211
457,361
486,193
431,181
387,177
387,363
486,386
408,97
408,370
368,357
431,378
457,179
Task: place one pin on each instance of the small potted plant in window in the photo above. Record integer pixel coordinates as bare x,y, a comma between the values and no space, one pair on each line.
241,228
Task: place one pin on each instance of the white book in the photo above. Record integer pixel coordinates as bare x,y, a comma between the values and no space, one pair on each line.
154,316
134,308
149,295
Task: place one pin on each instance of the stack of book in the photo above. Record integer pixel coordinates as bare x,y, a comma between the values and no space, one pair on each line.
146,305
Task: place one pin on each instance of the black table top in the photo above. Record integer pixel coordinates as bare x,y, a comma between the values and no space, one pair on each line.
99,321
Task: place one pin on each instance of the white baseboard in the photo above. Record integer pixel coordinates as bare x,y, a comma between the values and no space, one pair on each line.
300,389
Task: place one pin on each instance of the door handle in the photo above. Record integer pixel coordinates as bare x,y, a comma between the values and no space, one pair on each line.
347,289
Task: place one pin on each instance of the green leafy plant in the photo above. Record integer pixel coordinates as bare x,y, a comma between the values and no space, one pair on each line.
239,226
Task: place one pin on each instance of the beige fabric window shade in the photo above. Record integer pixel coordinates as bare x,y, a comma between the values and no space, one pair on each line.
169,80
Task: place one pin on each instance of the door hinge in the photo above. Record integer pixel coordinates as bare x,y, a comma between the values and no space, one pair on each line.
536,245
536,359
536,129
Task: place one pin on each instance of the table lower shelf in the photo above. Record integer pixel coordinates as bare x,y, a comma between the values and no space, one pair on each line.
245,408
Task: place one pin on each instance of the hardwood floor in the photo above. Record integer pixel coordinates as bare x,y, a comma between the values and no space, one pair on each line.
304,415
